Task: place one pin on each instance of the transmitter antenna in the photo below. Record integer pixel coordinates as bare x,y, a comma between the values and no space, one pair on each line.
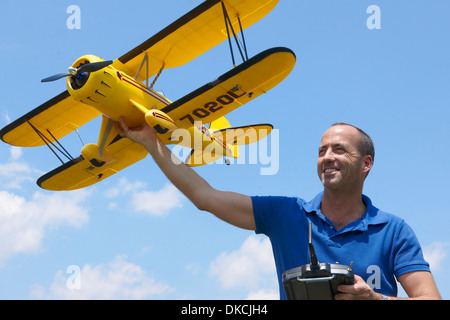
312,252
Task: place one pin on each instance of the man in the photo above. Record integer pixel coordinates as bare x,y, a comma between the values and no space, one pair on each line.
346,226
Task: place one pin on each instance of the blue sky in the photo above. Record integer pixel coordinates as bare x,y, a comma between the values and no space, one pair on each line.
392,82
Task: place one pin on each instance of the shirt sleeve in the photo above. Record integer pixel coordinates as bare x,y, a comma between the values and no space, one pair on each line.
409,256
269,212
260,212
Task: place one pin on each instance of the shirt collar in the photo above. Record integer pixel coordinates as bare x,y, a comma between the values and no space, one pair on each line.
372,216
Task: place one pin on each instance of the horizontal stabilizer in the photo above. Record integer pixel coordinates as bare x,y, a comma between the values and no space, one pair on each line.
219,124
199,158
245,134
233,138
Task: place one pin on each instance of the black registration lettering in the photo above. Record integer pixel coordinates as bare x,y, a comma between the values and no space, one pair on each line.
201,113
213,106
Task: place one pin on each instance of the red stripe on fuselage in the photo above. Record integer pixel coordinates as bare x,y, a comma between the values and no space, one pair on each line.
143,88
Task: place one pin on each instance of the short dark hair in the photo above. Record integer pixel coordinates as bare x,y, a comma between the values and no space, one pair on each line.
366,146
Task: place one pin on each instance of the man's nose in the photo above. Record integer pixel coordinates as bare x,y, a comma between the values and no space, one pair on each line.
329,155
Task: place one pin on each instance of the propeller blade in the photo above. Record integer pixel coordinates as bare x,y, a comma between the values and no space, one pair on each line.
94,66
88,67
56,77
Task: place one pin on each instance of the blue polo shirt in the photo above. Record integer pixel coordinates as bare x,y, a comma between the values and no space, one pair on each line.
381,245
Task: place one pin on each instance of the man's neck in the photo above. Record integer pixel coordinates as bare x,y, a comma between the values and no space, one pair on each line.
342,208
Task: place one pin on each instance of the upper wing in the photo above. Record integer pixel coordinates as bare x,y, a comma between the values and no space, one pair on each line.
193,34
54,119
233,89
80,173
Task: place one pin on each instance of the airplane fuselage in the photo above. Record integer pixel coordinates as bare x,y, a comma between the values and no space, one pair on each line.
115,94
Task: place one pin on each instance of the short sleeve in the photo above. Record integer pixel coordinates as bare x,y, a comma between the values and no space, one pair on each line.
270,211
408,253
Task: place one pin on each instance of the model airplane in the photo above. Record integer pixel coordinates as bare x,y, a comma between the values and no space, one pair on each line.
97,87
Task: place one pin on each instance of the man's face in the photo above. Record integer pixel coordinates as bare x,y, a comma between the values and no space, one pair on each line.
340,164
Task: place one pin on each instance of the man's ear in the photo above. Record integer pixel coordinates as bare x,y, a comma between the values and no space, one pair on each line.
367,164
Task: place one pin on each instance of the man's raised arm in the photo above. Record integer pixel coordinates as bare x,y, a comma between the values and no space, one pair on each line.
234,208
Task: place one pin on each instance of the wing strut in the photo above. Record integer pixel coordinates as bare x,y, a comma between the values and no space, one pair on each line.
144,61
157,76
48,142
229,27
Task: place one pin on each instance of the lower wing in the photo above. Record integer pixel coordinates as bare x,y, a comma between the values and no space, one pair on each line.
80,173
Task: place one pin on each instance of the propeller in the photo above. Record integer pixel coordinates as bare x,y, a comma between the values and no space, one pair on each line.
81,72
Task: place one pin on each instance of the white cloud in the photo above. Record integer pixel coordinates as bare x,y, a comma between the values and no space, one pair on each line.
252,266
124,187
157,203
23,222
6,117
435,253
16,153
15,172
264,294
118,279
11,169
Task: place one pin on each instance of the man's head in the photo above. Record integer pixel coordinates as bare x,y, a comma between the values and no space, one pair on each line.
346,155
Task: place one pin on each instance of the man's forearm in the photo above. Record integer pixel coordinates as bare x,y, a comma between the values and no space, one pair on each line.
181,175
234,208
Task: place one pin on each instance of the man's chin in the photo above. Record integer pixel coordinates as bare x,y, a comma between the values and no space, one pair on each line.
331,184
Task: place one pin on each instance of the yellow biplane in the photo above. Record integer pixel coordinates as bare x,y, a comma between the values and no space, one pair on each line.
96,87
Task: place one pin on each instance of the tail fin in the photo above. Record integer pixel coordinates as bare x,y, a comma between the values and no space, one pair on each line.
219,124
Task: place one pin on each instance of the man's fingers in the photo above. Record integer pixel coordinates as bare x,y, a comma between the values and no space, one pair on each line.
347,288
123,124
122,127
119,129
